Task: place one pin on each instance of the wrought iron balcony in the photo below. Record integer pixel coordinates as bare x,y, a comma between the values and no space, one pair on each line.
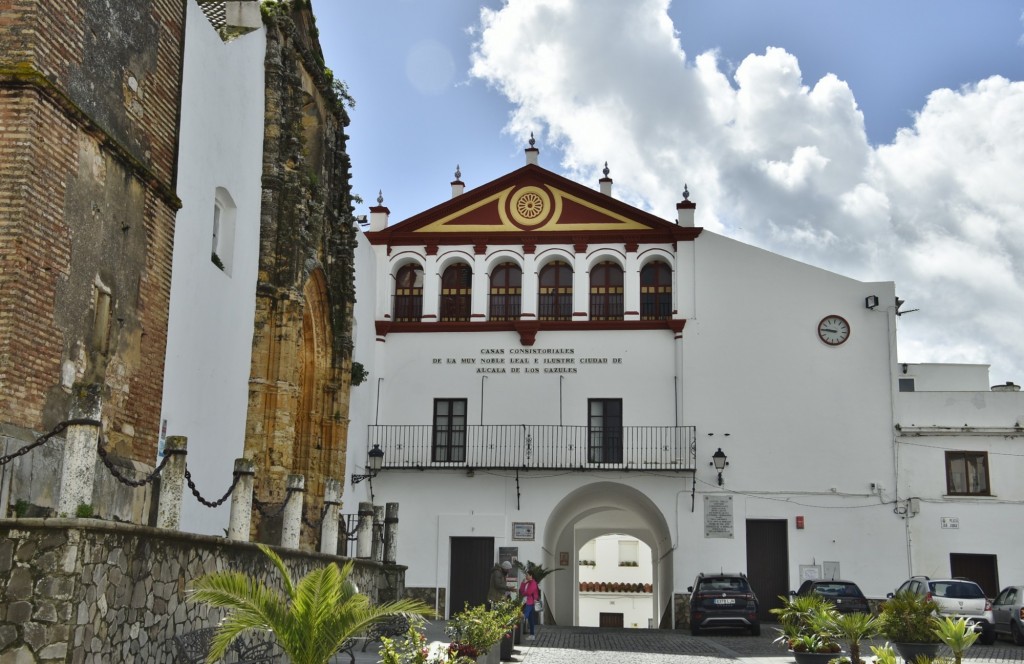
536,447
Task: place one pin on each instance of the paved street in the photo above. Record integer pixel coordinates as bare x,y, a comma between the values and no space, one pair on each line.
564,645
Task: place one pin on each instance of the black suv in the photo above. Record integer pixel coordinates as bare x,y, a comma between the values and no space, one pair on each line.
844,595
723,601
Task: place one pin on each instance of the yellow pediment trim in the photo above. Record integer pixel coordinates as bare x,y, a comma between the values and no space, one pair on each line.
533,209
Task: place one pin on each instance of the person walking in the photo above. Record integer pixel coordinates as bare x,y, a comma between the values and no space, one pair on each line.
530,592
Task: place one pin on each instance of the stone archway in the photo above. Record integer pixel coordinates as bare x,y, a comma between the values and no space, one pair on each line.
316,451
605,508
296,422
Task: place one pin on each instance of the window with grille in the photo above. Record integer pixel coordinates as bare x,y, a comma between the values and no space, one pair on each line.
555,297
606,291
449,430
656,291
408,304
506,292
967,473
456,293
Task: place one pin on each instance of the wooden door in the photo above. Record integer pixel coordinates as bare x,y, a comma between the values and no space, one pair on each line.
610,620
767,563
978,567
472,559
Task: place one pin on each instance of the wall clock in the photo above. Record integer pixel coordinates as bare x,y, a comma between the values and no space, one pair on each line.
833,330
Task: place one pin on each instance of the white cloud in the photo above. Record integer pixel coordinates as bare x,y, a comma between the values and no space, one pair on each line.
785,165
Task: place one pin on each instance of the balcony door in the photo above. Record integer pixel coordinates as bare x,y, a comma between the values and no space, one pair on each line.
449,442
604,437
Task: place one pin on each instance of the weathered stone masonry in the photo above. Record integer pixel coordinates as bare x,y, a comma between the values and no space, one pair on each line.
89,95
108,592
302,343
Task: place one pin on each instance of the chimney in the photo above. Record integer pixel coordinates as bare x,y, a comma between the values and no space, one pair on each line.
532,152
242,16
379,214
458,186
685,209
606,182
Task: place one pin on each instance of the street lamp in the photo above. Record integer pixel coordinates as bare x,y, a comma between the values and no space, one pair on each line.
719,461
374,460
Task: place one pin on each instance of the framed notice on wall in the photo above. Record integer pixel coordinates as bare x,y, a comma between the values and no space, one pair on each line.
523,531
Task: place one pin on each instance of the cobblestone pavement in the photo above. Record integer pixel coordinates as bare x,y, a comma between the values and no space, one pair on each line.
568,645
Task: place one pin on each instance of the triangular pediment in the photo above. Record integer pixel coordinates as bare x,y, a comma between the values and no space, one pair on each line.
530,201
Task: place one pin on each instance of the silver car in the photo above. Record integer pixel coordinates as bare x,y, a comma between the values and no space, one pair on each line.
1008,613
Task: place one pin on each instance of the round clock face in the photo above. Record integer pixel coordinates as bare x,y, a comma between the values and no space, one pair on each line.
833,330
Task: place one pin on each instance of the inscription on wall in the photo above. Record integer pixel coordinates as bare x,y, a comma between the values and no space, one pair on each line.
527,361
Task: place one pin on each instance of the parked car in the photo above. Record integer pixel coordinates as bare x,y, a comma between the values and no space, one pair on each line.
723,601
1008,613
845,595
957,598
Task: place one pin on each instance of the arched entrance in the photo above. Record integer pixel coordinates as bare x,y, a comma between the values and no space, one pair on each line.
317,445
597,509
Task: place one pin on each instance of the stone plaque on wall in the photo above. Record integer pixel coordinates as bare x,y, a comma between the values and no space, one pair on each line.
718,516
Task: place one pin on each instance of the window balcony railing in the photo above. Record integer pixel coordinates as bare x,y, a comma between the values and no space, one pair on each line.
535,447
407,308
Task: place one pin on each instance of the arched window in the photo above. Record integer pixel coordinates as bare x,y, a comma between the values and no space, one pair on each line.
606,291
408,304
555,297
456,293
656,291
506,292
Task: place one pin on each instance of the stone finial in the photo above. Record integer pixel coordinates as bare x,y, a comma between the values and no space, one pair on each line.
379,214
606,182
686,209
458,186
532,153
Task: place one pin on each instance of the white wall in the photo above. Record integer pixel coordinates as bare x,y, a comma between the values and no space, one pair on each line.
635,607
807,427
209,337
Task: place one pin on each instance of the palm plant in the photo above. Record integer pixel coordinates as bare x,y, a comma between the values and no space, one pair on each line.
801,617
957,634
853,628
310,620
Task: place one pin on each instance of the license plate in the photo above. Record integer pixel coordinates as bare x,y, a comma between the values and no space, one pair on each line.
725,601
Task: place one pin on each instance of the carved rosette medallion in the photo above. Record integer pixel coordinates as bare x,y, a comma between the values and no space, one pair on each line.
530,207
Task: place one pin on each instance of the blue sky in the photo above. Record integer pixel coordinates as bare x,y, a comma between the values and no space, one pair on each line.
880,140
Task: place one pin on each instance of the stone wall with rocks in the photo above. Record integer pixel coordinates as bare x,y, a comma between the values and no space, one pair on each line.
85,590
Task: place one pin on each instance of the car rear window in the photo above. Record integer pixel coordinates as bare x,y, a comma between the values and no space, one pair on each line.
956,589
734,584
838,589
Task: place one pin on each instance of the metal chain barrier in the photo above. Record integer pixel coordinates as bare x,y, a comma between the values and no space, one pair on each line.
124,480
219,501
261,507
315,525
4,460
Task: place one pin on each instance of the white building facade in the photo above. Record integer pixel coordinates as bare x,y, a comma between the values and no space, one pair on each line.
216,254
549,365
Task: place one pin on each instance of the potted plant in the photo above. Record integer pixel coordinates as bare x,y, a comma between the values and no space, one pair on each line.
906,621
805,628
957,634
853,628
476,630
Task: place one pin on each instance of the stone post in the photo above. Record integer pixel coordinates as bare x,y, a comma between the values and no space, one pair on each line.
291,520
378,533
391,534
329,525
240,522
364,531
80,444
172,483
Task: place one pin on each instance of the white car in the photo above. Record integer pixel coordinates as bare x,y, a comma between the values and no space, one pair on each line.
957,598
